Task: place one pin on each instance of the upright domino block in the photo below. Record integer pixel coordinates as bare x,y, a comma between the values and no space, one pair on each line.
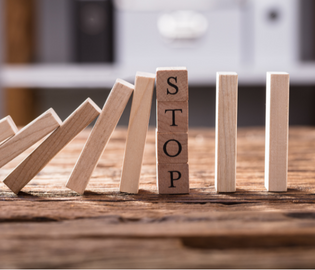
100,135
137,132
172,131
27,136
277,131
226,131
52,145
7,128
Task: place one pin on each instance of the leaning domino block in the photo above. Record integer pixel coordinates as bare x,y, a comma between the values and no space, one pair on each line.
172,131
50,147
137,132
7,128
100,135
277,131
226,131
27,136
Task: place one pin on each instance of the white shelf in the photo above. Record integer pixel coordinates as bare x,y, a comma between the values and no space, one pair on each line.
104,76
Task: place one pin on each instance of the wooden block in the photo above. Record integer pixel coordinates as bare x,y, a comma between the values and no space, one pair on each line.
50,147
172,116
172,84
7,128
277,131
100,135
172,147
226,131
30,134
172,178
137,132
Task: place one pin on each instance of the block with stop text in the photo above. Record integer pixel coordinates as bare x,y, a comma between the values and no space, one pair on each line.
173,178
172,84
172,147
172,116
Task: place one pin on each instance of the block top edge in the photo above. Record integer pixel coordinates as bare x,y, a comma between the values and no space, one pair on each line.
145,74
226,73
55,115
277,73
125,83
89,100
171,68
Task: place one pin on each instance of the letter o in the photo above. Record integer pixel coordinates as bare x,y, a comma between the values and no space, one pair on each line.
179,148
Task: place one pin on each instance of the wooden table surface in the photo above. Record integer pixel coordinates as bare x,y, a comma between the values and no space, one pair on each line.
48,225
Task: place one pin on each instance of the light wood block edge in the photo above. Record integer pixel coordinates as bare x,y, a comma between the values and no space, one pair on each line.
7,128
29,135
277,131
226,131
137,131
99,136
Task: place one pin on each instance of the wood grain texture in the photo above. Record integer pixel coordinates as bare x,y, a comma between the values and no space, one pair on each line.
100,135
172,147
277,131
226,131
172,116
172,84
37,160
50,226
7,128
137,132
27,136
172,178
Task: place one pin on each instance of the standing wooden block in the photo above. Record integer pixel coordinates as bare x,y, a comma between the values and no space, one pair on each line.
30,134
226,131
172,147
172,116
100,135
172,178
277,131
172,84
7,128
50,147
137,132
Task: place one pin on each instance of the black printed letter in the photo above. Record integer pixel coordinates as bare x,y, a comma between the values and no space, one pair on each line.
173,85
174,179
173,115
179,148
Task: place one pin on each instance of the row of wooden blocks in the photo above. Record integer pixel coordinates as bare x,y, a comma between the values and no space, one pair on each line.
171,135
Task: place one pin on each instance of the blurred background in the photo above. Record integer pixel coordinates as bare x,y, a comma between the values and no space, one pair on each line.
56,53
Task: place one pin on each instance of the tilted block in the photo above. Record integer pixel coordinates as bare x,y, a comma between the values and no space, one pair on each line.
52,145
172,116
172,147
29,135
172,84
137,132
172,178
277,131
100,135
7,128
226,131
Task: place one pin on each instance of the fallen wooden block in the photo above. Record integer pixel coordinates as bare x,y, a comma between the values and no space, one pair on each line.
50,147
27,136
172,84
172,116
7,128
100,135
172,147
172,178
137,132
277,131
226,131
